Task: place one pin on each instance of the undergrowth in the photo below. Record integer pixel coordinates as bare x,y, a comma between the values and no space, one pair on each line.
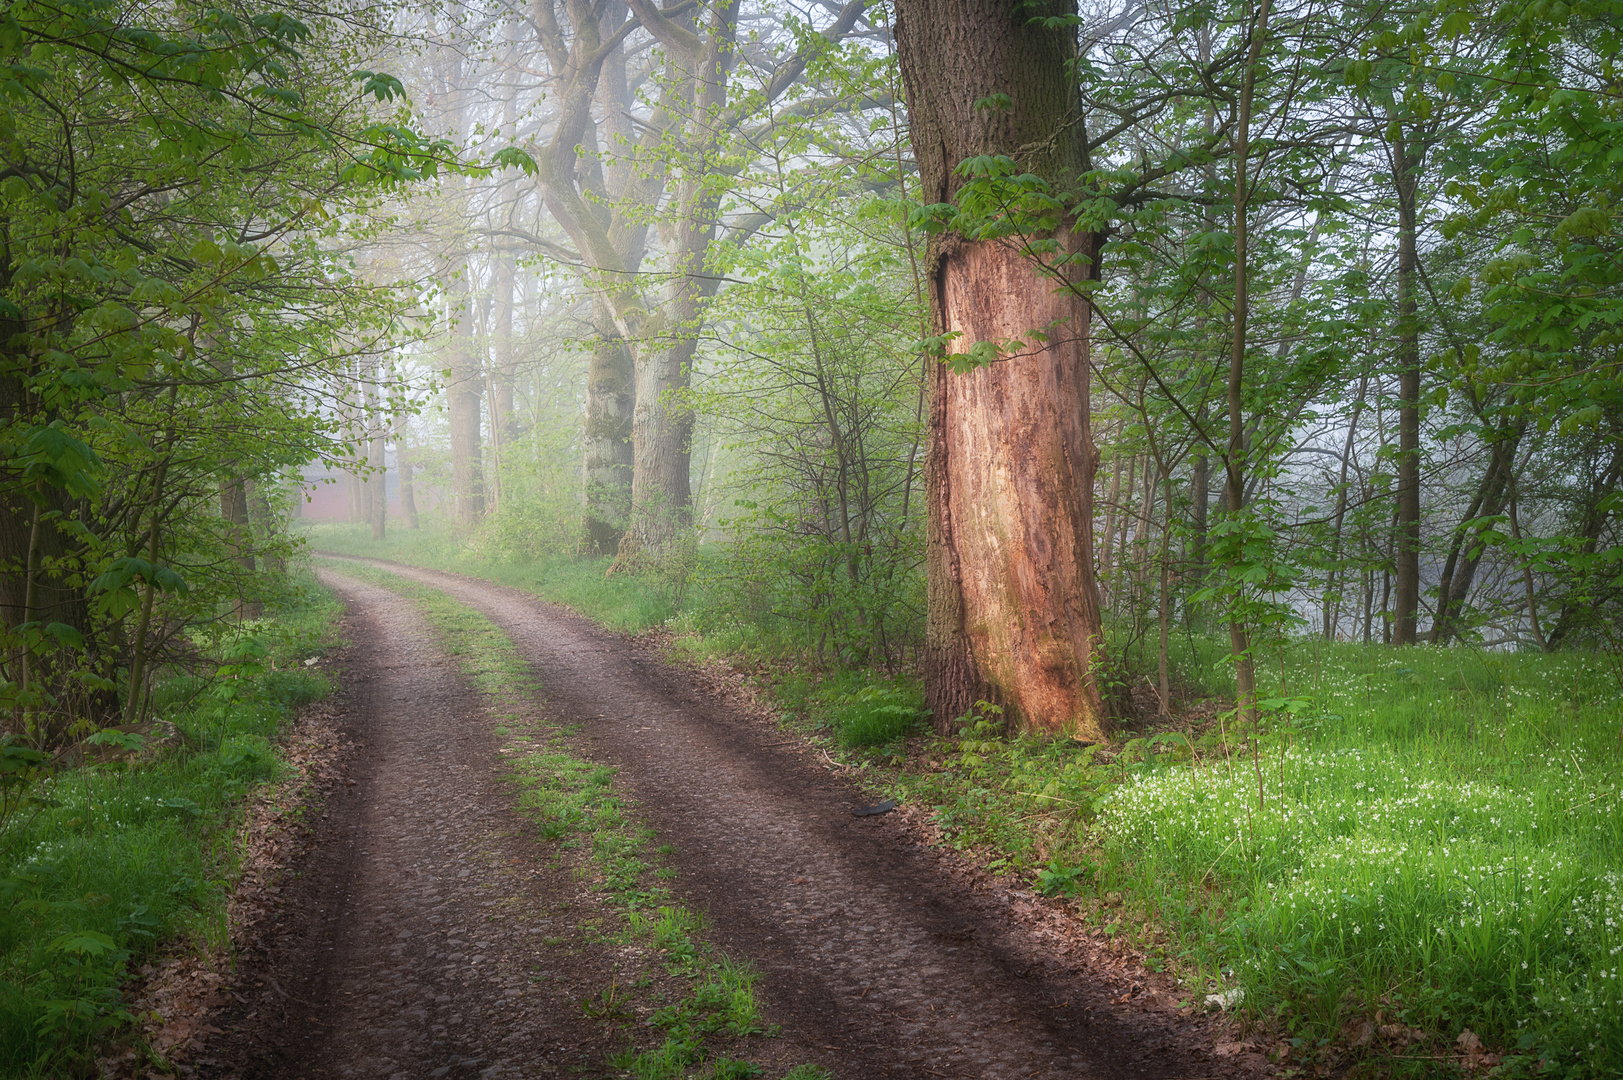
575,804
102,863
1430,844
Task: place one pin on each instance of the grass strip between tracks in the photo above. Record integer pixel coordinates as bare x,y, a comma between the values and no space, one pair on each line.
575,804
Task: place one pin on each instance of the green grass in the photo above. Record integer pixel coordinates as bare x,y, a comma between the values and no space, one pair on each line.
112,860
1434,839
575,802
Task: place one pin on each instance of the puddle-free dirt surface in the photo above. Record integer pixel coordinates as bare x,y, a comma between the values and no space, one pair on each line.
413,943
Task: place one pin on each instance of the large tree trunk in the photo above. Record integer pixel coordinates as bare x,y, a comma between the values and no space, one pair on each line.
1406,600
662,422
607,462
1013,608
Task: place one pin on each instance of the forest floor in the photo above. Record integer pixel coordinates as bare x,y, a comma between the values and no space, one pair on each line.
429,930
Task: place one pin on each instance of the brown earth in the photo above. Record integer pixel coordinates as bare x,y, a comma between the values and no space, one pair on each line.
430,935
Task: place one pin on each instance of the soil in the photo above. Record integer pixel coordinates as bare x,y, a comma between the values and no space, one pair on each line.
430,933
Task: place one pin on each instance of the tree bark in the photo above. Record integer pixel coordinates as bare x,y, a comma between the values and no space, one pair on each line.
1332,599
1406,598
1103,562
1235,464
403,462
1013,610
661,421
464,402
1527,574
1200,504
239,543
1490,499
264,519
607,462
379,478
1593,517
503,358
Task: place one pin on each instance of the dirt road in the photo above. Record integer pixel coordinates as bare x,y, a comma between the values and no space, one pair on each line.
879,956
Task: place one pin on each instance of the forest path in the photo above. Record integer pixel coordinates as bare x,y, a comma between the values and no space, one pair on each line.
413,941
877,954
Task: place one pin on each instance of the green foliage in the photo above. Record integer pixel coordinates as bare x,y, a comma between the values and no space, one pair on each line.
808,1072
863,709
814,407
178,185
102,862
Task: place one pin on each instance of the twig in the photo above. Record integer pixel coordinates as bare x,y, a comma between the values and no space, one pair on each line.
1219,858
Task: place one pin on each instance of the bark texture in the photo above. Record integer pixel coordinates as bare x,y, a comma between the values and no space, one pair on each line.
607,461
1013,606
1406,598
464,402
239,543
402,456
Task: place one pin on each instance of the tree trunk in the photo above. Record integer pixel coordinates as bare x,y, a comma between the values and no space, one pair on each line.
1332,599
1200,503
239,543
1457,578
464,396
1103,563
607,461
1406,600
402,457
661,421
260,513
353,484
503,359
1013,611
1593,518
1527,574
380,478
1235,465
1164,612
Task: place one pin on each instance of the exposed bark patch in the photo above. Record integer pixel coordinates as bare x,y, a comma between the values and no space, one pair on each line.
1015,486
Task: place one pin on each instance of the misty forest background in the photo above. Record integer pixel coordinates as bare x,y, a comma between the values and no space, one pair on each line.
649,309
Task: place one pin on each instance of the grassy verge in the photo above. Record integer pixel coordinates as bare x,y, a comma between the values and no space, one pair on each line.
1422,864
575,805
1415,863
101,863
